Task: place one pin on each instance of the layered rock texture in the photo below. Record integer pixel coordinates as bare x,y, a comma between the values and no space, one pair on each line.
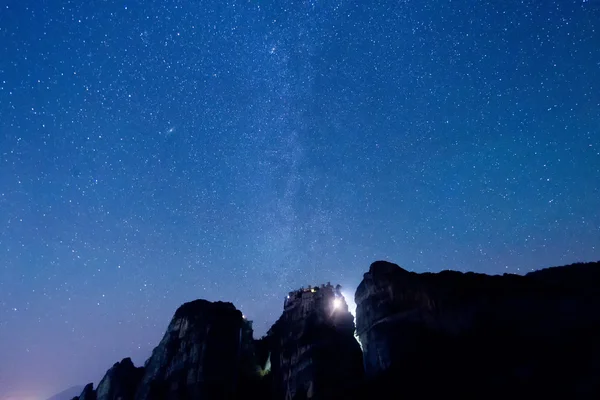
120,382
200,355
206,353
88,393
313,352
470,334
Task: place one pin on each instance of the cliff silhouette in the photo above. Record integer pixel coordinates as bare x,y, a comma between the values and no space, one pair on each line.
423,335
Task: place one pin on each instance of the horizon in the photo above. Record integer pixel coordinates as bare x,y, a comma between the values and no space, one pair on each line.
348,297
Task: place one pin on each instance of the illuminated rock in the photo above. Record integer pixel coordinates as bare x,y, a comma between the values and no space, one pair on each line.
314,354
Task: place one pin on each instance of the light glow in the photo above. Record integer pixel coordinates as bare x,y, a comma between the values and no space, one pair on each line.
351,304
337,303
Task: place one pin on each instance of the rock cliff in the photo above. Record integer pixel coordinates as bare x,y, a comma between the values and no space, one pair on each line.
477,335
452,334
313,352
207,352
120,382
88,392
200,355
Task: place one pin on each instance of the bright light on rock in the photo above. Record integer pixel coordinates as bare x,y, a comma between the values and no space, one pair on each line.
337,303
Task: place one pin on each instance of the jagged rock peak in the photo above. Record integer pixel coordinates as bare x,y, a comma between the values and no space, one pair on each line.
200,354
383,267
120,382
88,392
126,362
204,307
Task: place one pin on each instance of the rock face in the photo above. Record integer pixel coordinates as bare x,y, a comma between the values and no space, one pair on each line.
88,392
477,335
450,334
313,352
120,382
200,355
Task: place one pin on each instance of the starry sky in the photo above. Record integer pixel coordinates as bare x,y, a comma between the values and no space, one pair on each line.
154,152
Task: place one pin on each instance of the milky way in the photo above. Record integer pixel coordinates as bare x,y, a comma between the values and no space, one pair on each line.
156,152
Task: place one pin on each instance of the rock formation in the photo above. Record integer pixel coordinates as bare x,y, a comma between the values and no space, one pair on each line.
200,355
313,352
88,392
120,382
478,335
451,334
206,353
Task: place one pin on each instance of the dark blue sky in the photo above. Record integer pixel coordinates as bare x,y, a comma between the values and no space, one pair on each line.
155,152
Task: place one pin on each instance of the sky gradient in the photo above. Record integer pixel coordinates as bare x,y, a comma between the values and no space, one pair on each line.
155,152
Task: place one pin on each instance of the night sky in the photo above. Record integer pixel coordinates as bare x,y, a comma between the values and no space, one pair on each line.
155,152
